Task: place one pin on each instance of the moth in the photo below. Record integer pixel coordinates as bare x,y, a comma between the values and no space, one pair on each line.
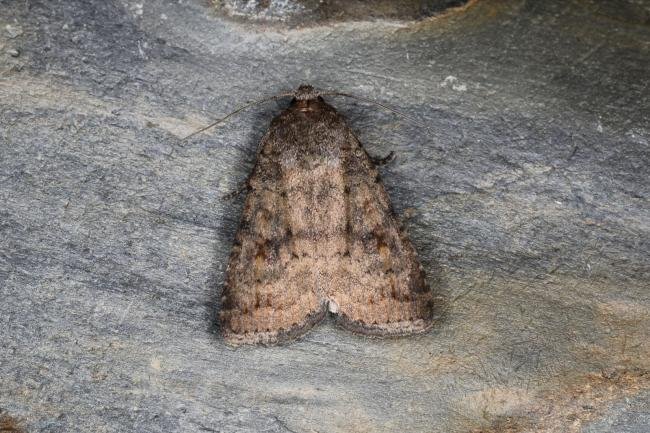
318,234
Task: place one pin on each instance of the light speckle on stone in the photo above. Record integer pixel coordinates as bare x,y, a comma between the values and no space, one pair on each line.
13,31
155,364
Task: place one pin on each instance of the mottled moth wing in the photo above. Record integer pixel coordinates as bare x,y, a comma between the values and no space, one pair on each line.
386,291
318,231
268,296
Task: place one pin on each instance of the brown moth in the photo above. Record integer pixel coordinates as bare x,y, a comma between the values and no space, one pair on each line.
318,234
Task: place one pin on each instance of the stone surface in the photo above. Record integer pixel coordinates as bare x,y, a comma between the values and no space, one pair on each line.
527,195
307,12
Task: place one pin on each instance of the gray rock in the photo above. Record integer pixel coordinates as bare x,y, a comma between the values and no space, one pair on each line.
13,31
304,12
528,195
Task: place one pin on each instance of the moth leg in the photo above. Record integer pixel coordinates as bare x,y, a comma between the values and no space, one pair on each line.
378,161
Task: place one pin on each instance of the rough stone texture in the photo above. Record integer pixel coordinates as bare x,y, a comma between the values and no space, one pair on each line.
528,195
306,12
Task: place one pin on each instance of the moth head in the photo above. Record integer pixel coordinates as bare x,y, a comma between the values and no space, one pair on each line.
306,92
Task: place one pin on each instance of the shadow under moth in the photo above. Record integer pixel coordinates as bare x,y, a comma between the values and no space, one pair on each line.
318,234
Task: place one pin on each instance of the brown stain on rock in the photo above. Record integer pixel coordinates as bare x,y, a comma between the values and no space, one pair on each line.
9,424
578,399
560,395
626,329
587,399
569,409
508,424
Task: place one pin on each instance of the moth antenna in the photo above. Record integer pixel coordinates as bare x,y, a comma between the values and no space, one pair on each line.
232,113
386,107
